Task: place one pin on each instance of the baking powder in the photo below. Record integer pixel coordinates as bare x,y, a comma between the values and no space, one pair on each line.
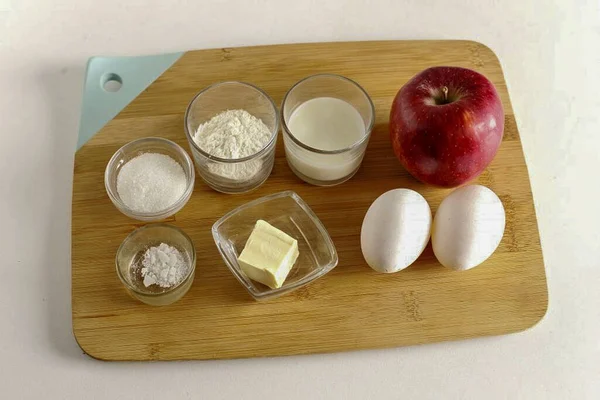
163,265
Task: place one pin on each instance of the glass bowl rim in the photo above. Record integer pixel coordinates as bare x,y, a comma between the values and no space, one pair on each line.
141,229
263,150
323,270
190,178
354,145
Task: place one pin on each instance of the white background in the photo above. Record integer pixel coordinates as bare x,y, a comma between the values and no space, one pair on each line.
550,54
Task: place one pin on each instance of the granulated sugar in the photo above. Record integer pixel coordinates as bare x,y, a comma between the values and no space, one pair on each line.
151,182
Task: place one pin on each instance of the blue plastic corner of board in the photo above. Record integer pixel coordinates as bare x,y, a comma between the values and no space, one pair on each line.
111,83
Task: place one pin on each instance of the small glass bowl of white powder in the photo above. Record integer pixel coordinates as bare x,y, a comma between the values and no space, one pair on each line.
150,179
156,263
232,131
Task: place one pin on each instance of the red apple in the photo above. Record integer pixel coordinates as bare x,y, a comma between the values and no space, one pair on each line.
446,125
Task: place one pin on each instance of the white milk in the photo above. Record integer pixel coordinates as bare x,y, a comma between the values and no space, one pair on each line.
326,123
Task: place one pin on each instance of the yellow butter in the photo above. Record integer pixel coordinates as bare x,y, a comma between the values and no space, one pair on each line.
269,255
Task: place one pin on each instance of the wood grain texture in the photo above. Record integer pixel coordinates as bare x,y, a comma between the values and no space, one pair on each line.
350,308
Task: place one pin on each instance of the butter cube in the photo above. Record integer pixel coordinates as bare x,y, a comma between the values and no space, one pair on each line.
269,255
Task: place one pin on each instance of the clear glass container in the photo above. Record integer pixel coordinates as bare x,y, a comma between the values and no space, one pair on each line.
287,212
232,175
131,253
136,148
326,167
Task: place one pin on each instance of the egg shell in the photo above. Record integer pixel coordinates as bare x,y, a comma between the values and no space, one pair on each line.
395,230
468,227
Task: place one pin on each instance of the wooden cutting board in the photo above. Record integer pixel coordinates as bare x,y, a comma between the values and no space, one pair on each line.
350,308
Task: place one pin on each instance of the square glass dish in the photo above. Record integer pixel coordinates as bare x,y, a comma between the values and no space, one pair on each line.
287,212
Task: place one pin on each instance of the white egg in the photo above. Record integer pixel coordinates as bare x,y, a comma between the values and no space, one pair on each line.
395,230
468,227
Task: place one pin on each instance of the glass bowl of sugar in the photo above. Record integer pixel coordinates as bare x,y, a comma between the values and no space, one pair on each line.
327,121
150,179
232,130
156,263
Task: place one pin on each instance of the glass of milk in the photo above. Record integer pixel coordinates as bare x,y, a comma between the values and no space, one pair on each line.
327,121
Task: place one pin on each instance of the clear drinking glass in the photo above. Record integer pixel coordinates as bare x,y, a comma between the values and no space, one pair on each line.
232,175
287,212
326,167
131,252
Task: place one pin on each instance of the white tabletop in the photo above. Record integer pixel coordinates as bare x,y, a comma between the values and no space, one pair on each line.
550,55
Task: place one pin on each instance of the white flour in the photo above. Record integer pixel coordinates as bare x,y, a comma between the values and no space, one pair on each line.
233,134
163,265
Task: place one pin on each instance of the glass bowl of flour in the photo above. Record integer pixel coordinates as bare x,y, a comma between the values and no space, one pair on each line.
232,130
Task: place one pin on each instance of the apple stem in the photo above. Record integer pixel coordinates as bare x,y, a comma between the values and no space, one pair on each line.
445,91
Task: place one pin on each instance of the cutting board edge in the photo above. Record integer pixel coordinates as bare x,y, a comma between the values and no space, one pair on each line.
528,325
